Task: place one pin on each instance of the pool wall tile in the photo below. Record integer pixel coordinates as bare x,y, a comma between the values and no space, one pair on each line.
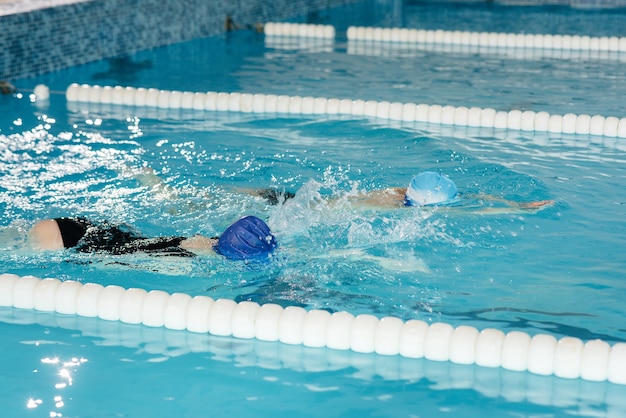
50,39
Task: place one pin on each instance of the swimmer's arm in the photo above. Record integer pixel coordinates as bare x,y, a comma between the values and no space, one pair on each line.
512,206
392,197
199,244
388,198
147,177
157,187
406,263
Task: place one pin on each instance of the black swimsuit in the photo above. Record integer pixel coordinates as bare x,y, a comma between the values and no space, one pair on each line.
87,237
274,197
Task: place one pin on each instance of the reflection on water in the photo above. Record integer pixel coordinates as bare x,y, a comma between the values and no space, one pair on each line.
122,70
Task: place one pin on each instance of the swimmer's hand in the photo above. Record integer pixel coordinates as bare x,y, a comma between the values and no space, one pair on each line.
540,204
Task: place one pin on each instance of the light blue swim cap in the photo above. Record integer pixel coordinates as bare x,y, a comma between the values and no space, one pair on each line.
429,188
247,239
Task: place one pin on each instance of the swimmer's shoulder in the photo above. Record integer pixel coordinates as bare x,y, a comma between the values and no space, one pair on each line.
46,236
386,198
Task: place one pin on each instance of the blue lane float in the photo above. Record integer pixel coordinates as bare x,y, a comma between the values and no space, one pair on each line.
541,354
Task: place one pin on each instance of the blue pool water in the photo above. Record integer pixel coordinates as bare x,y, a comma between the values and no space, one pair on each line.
556,271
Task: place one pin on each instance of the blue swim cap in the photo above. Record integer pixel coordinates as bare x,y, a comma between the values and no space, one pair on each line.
429,188
247,239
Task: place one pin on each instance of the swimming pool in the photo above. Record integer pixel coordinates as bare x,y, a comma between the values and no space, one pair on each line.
434,266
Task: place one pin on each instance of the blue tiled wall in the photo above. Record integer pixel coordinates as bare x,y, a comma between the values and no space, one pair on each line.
54,38
49,39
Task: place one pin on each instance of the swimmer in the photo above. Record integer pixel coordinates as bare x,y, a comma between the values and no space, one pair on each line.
6,87
427,189
249,238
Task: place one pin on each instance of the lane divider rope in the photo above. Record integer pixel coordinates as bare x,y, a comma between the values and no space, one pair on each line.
600,399
564,42
527,120
542,354
300,30
489,39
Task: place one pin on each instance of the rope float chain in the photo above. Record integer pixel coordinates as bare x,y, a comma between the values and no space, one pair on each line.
528,120
299,30
542,354
489,39
444,37
461,38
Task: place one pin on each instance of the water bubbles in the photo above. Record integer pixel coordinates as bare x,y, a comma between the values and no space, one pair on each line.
33,403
